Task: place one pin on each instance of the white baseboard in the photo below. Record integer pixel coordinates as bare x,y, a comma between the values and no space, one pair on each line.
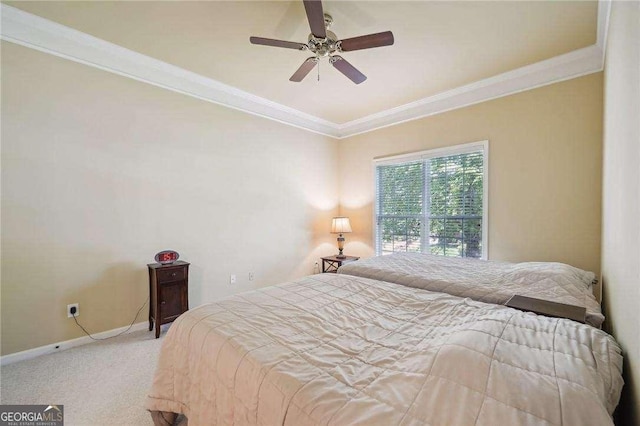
67,344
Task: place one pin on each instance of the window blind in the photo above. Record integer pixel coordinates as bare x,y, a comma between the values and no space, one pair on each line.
433,204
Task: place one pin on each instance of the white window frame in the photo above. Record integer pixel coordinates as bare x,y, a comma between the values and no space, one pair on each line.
441,152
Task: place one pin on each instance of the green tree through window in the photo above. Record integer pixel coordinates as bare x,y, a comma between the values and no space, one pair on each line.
432,205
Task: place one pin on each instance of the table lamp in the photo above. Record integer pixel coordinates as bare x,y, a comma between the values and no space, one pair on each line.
340,225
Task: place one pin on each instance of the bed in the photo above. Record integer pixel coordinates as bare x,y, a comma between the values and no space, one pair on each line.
483,280
345,350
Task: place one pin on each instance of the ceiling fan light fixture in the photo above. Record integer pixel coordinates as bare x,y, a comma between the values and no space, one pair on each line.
328,20
323,46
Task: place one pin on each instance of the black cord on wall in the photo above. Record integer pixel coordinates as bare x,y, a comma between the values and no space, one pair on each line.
110,337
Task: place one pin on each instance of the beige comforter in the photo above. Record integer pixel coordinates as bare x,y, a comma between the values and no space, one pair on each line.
343,350
485,281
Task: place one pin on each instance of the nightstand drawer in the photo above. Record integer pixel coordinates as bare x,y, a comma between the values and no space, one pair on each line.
171,274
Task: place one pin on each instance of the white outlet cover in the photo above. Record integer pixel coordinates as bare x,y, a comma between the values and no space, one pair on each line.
250,276
232,279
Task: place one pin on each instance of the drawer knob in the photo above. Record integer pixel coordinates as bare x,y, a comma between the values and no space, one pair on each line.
174,274
163,302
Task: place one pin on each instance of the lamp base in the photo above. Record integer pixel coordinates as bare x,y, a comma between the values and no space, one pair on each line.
340,248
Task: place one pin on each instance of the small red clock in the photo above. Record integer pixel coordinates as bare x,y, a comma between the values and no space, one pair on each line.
167,256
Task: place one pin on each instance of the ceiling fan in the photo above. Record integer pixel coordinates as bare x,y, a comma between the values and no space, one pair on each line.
324,43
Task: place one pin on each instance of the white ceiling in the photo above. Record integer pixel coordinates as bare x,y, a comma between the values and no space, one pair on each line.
438,45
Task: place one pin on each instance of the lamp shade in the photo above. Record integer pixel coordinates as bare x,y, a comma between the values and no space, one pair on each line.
340,225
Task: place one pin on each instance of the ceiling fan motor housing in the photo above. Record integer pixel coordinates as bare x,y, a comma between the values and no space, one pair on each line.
323,46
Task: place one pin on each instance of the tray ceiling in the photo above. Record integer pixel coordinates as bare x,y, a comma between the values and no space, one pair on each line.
439,46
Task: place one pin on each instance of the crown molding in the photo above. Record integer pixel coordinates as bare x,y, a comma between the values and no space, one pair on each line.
604,10
46,36
564,67
50,37
570,65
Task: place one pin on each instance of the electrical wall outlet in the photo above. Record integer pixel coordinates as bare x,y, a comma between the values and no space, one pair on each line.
251,276
77,311
232,279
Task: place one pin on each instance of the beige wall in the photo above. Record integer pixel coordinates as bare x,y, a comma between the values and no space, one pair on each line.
621,193
544,170
100,172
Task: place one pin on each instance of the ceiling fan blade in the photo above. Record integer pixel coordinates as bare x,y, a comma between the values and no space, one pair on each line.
304,69
315,15
367,41
347,69
277,43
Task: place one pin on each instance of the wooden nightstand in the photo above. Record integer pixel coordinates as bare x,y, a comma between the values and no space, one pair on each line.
547,308
332,263
169,291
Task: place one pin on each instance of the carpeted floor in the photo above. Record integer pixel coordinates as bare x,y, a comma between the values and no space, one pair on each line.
101,383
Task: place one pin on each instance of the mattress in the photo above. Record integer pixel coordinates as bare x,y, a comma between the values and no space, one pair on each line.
485,281
345,350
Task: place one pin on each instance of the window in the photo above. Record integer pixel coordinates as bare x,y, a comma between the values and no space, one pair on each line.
433,202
